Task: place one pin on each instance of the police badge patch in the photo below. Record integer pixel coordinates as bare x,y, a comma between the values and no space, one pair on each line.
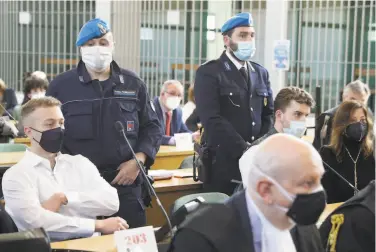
101,28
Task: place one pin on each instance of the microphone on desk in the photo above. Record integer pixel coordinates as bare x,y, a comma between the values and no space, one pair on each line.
179,216
120,127
341,177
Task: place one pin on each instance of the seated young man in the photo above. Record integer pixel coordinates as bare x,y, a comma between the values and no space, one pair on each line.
61,193
292,106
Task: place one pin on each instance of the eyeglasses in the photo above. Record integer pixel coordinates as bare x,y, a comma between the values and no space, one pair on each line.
173,94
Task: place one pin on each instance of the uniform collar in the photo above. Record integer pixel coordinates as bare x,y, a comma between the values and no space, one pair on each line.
235,62
84,75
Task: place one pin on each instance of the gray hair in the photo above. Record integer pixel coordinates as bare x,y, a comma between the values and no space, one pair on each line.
357,87
170,82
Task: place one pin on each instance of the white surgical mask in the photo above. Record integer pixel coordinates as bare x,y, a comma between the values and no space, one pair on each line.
97,58
297,128
172,102
37,95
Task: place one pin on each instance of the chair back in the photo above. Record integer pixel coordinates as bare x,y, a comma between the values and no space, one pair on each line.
213,197
12,147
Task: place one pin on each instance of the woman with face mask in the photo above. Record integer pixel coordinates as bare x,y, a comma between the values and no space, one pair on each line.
350,152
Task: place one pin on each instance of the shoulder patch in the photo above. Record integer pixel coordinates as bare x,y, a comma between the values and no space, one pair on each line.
336,220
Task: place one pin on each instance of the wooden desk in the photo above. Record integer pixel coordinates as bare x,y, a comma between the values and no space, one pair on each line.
107,243
168,157
168,191
10,158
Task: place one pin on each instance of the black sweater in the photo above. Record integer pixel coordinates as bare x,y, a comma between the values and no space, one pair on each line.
336,189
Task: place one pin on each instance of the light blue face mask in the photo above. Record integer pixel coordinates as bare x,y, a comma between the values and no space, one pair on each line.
245,51
297,128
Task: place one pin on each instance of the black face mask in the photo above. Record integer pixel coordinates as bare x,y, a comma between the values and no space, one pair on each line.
307,208
51,140
356,131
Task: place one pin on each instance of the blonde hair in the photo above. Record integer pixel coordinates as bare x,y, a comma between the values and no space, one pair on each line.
2,86
33,104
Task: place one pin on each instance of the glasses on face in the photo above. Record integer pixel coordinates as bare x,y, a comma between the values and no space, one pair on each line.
174,94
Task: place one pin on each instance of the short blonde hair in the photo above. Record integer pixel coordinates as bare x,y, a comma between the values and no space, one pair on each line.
33,104
2,86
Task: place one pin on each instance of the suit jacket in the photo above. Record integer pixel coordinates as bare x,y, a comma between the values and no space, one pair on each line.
232,111
177,124
226,227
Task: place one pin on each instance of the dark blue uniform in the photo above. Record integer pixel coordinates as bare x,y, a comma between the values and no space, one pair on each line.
91,108
232,113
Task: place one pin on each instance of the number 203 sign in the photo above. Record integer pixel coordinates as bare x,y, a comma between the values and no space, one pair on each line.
136,240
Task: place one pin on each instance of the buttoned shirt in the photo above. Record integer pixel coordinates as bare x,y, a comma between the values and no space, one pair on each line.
235,62
32,181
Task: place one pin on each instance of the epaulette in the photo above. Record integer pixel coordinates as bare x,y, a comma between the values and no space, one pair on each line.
336,220
209,62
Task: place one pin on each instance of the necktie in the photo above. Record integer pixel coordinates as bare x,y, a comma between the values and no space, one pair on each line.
244,74
168,123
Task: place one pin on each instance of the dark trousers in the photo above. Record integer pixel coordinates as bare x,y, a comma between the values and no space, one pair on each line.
132,208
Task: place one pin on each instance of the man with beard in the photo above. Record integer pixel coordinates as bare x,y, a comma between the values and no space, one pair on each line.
234,102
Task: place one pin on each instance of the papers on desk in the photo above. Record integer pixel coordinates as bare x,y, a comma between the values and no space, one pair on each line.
183,173
136,240
167,174
161,174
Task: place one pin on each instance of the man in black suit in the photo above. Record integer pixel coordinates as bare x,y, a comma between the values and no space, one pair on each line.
279,195
234,102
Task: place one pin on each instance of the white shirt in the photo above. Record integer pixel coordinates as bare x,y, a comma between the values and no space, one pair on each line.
235,62
32,181
188,110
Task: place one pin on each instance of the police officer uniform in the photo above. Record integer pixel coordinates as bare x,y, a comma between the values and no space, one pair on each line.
91,108
234,112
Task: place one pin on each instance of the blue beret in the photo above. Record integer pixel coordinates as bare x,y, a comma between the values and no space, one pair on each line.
94,28
241,19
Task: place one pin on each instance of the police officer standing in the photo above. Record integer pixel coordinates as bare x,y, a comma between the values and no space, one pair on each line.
97,94
234,102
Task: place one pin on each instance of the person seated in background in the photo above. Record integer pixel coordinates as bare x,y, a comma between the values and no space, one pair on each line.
292,106
350,152
61,193
7,129
8,100
190,116
279,195
351,227
355,90
34,87
190,106
169,113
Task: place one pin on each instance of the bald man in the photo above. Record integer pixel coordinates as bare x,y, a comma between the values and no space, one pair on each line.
283,189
